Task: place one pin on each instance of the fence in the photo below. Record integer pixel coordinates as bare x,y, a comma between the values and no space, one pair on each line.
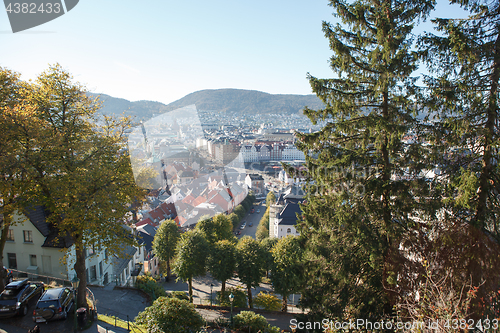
16,274
121,320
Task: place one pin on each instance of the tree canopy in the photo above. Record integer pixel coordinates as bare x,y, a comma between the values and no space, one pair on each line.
191,256
250,264
165,242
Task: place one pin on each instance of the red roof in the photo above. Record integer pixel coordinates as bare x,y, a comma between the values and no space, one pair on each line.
145,221
198,201
188,199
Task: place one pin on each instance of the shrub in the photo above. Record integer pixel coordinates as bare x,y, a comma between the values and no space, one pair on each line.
249,321
180,295
267,301
170,315
149,286
240,297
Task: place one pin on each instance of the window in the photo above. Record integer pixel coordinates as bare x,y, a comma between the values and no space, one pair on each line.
100,268
288,230
33,260
28,236
10,235
93,273
11,258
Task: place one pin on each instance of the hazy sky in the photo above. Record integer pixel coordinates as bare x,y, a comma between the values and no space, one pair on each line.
164,50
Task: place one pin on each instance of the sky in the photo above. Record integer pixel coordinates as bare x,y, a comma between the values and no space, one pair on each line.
162,50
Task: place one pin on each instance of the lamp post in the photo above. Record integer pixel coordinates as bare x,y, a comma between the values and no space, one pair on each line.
231,298
75,283
211,286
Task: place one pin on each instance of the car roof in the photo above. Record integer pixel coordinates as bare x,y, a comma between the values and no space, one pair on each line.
53,293
17,284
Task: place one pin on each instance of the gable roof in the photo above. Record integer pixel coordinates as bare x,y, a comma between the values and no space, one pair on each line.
38,217
288,215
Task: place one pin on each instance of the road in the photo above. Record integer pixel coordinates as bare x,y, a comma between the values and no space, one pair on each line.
253,218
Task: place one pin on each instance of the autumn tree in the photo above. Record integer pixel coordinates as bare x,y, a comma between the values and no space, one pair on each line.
80,167
222,262
16,118
270,198
165,243
190,260
250,264
364,178
263,227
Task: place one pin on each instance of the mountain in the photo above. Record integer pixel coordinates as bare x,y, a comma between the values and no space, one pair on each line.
235,101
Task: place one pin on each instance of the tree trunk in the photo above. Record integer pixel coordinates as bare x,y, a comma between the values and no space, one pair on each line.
480,217
284,304
81,274
190,283
167,279
6,222
222,290
250,303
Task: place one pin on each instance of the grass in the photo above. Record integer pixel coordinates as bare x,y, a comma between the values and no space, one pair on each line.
120,323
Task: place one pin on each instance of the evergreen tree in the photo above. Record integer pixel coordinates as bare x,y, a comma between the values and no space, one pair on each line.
464,96
366,176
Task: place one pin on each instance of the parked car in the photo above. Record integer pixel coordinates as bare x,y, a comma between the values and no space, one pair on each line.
9,277
250,224
243,226
54,304
258,210
17,297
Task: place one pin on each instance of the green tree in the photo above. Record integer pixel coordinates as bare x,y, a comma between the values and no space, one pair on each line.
222,262
267,245
191,255
240,211
358,203
170,315
235,220
263,227
165,242
80,167
287,268
250,264
270,198
216,228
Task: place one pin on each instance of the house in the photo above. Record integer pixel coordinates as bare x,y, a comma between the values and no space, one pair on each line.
128,263
33,245
255,182
99,268
283,214
151,261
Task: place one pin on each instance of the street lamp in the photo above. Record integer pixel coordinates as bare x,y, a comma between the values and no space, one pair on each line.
231,298
75,283
211,286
